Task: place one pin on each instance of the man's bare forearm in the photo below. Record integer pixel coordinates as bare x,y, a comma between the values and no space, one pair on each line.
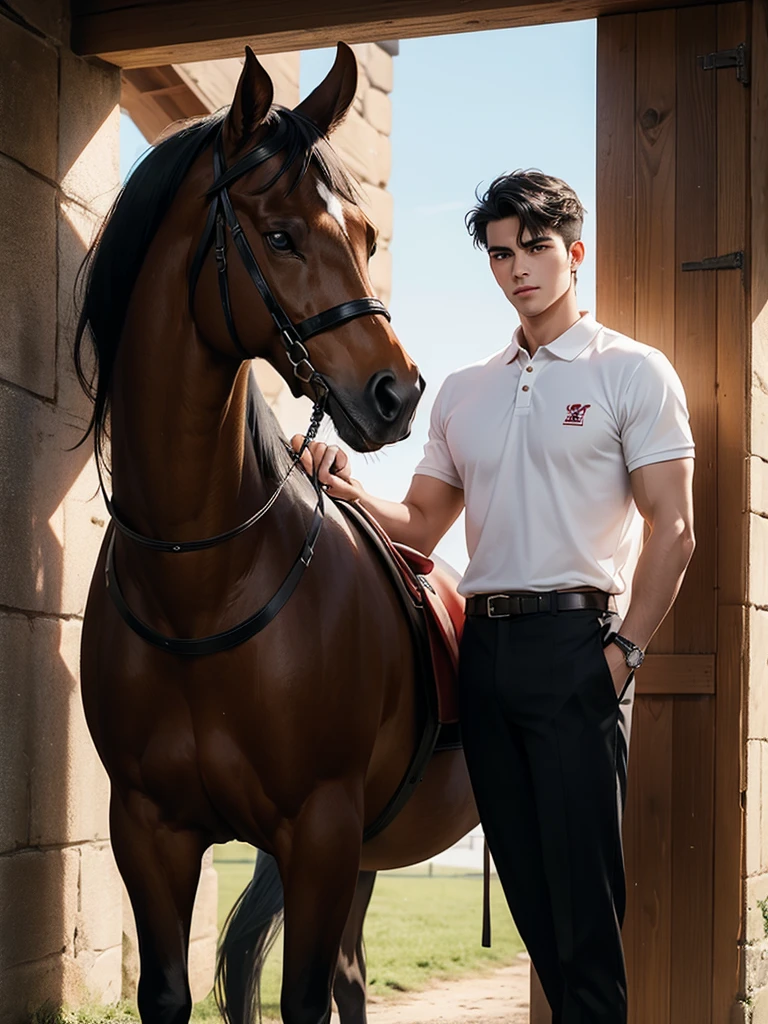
404,523
658,577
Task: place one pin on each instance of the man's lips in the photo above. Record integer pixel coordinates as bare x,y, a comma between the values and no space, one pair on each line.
526,289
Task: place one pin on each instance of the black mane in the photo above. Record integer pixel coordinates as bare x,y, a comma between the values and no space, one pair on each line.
111,266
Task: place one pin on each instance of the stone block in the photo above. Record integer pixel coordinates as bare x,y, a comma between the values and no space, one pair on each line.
202,966
756,918
77,227
758,433
377,63
69,788
130,959
206,910
27,280
758,485
38,905
284,70
100,911
101,975
50,17
380,270
758,561
377,110
51,523
89,139
759,1008
756,967
16,642
28,99
378,204
754,799
757,684
366,152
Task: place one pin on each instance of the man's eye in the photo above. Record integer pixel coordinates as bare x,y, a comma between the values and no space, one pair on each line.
280,241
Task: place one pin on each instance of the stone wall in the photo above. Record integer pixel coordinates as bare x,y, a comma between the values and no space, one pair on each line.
60,894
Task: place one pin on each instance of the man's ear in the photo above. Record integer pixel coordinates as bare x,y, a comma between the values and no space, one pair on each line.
253,98
576,254
328,104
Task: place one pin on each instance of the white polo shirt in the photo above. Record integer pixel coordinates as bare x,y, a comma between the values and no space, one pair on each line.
543,447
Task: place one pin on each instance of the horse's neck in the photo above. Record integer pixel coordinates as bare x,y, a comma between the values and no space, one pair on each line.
181,469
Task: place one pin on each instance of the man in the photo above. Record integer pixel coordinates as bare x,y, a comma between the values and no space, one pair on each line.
553,446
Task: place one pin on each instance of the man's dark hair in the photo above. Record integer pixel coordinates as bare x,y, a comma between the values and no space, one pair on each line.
542,203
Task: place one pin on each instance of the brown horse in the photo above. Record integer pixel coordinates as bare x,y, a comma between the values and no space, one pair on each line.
288,727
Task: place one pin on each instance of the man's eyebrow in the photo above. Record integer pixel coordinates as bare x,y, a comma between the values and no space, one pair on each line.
523,245
536,241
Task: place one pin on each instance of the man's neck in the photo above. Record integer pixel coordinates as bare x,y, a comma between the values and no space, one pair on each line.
551,323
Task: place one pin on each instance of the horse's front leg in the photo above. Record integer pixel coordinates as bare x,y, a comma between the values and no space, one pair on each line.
349,983
161,870
319,877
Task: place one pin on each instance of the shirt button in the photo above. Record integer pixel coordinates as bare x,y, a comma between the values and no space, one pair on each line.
529,369
526,388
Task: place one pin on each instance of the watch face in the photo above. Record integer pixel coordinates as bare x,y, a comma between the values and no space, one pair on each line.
635,658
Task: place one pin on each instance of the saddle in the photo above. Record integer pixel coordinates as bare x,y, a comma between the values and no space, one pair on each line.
431,590
435,613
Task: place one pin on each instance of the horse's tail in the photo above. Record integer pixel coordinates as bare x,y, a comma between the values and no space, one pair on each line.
248,935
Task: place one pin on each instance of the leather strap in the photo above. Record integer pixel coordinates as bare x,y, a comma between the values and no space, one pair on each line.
502,606
229,638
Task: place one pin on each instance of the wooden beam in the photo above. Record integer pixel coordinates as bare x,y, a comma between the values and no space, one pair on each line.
676,675
140,33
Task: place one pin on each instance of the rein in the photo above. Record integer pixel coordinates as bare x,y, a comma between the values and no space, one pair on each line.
221,216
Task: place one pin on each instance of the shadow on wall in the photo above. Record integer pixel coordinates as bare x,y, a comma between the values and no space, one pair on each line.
60,894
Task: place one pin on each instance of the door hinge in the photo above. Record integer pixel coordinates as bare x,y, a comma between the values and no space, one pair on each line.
735,58
732,261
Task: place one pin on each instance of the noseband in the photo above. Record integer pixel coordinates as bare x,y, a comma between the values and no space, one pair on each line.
221,215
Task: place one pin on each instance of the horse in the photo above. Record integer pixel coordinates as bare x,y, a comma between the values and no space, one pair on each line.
289,727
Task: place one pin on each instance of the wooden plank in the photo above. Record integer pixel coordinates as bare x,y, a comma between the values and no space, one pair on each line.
655,126
648,846
733,390
615,180
695,313
139,33
670,674
693,756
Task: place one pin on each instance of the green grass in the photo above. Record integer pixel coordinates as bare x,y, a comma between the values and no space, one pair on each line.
419,928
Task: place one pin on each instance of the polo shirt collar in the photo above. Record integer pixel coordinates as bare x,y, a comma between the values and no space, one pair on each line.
567,346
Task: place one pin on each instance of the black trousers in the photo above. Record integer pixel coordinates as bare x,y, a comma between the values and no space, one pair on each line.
547,741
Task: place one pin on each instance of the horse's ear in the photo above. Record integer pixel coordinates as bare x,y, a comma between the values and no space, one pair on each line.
253,98
328,104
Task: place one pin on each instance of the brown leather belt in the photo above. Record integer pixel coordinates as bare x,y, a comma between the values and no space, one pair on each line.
502,606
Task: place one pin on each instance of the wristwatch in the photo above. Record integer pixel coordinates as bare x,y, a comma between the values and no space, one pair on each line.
634,656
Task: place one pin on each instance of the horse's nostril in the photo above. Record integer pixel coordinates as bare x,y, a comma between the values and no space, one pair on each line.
383,389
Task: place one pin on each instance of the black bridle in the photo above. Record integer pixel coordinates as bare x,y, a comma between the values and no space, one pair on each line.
221,216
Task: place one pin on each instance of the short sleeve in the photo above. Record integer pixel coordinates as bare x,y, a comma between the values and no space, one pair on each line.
654,420
438,461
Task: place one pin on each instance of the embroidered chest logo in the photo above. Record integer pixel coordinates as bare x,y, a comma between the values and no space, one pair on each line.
575,417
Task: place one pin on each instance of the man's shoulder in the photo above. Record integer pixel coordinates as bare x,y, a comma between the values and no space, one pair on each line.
612,341
466,377
625,355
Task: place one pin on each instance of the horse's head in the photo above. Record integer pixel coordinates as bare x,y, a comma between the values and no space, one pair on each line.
310,243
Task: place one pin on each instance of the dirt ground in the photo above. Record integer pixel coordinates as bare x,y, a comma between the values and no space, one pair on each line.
491,999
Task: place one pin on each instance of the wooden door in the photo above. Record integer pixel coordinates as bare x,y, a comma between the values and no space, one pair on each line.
672,187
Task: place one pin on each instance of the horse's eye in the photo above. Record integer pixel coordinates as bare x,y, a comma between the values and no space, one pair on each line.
280,241
372,253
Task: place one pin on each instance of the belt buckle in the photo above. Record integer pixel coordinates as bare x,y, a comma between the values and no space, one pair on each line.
489,607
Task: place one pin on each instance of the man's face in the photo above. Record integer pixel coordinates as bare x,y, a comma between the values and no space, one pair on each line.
534,272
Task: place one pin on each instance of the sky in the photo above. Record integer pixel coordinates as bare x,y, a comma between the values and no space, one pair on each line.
465,108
